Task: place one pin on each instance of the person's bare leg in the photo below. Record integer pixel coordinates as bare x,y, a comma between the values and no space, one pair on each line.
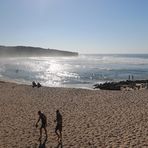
60,136
46,132
57,135
40,133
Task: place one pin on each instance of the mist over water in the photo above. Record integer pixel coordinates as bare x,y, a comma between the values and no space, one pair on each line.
81,71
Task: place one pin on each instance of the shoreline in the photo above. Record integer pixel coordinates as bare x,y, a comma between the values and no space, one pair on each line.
90,118
63,86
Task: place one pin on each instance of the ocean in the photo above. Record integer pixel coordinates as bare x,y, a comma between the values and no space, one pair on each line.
78,72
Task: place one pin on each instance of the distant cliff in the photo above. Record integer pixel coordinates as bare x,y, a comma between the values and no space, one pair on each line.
22,51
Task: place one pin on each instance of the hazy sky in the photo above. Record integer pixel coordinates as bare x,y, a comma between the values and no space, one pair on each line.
86,26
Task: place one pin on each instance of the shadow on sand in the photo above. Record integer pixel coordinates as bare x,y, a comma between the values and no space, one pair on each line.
42,143
60,145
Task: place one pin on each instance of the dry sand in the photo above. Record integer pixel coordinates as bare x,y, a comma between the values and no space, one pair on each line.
91,118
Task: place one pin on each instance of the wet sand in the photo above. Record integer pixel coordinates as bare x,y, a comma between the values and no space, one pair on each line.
91,118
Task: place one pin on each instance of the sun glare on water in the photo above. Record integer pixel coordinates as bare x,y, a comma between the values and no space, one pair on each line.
54,67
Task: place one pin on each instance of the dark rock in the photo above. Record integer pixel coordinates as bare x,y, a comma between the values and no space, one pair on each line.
120,84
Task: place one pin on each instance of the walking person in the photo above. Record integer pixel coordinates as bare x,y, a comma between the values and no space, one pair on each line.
129,78
58,129
43,119
132,77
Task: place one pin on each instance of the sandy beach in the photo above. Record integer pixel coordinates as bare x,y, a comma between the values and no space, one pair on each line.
91,118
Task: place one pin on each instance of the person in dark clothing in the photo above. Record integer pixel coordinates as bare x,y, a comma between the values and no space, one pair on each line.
58,129
43,119
34,84
38,85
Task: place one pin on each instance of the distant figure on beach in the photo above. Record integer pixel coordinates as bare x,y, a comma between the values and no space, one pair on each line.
58,126
17,71
34,84
132,77
38,85
129,77
43,119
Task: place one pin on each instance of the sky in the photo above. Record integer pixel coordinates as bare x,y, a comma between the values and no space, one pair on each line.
84,26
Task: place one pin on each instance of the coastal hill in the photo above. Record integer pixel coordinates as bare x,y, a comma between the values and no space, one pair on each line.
22,51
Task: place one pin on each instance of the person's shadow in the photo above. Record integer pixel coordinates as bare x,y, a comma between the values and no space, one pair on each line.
43,144
60,145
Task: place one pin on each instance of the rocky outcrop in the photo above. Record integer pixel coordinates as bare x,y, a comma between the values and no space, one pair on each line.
123,85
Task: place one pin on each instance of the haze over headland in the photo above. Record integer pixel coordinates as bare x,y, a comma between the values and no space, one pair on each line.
15,51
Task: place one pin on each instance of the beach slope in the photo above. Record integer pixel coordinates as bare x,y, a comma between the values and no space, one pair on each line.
91,118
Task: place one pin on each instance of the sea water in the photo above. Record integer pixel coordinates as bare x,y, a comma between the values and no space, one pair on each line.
83,71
